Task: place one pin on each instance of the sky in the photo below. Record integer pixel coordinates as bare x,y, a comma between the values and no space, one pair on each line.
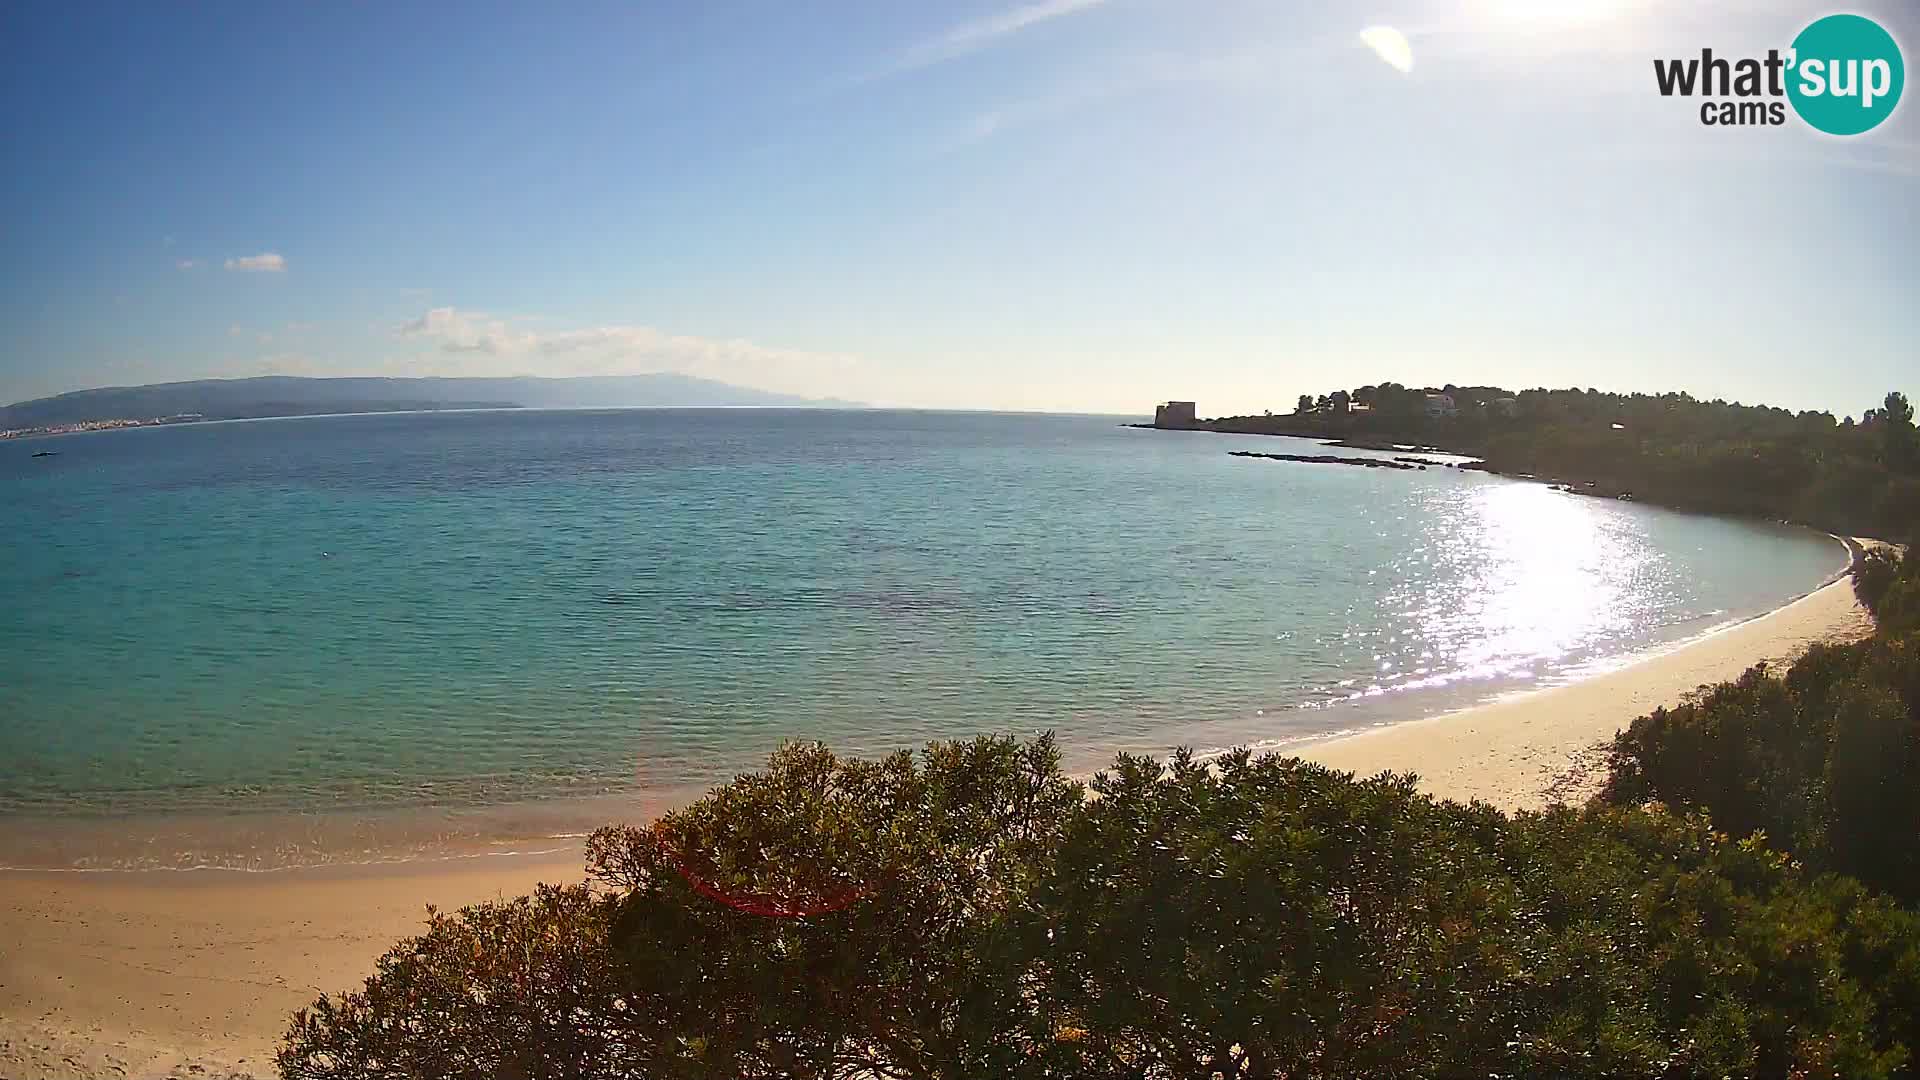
1064,205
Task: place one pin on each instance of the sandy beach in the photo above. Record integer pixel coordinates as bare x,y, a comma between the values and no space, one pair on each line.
194,974
151,974
1535,749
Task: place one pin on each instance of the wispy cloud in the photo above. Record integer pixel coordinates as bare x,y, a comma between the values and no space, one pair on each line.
507,345
186,264
968,37
1245,67
264,263
260,336
281,363
1803,150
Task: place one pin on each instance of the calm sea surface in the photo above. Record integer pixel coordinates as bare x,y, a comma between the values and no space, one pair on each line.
268,643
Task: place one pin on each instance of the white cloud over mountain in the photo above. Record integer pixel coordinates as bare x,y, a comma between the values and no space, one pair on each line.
500,345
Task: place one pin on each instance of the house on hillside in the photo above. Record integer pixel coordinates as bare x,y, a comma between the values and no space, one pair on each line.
1441,404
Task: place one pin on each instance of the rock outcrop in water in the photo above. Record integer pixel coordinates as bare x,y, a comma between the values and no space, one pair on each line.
1329,459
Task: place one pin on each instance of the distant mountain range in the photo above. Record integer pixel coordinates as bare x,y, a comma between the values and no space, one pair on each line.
279,395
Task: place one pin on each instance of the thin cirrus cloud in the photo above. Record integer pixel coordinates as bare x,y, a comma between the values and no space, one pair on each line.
186,264
973,36
494,340
264,263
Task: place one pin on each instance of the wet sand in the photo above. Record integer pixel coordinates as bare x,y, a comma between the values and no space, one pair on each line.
1546,746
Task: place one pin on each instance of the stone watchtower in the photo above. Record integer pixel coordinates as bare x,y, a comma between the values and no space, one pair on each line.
1174,414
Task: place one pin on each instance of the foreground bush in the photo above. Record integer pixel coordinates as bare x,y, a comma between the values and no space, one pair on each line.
1276,919
905,967
1889,586
521,989
924,974
971,913
1825,759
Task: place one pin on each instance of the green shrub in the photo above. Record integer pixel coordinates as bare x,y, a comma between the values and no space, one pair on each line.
1825,759
1873,577
971,912
1889,586
527,988
921,976
1271,918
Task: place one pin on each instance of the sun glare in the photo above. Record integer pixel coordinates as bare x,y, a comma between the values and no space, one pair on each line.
1389,45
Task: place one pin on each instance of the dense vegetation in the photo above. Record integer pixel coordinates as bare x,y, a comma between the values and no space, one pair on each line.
972,913
1823,758
1852,478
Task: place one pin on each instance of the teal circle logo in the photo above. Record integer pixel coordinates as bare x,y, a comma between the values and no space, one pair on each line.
1845,74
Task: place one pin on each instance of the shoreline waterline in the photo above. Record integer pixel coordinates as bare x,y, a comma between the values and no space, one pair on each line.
280,843
393,636
1532,750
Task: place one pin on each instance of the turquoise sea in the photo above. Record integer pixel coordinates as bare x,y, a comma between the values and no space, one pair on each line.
279,642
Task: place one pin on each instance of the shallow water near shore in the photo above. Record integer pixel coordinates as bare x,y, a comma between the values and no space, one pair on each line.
358,638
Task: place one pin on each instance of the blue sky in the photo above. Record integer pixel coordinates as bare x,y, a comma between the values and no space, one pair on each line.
1062,204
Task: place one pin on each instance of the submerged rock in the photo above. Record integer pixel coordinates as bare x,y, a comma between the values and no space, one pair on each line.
1328,459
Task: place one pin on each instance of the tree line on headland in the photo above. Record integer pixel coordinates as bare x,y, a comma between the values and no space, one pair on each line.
1854,478
1742,899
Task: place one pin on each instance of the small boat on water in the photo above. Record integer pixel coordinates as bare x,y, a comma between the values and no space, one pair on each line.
48,453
